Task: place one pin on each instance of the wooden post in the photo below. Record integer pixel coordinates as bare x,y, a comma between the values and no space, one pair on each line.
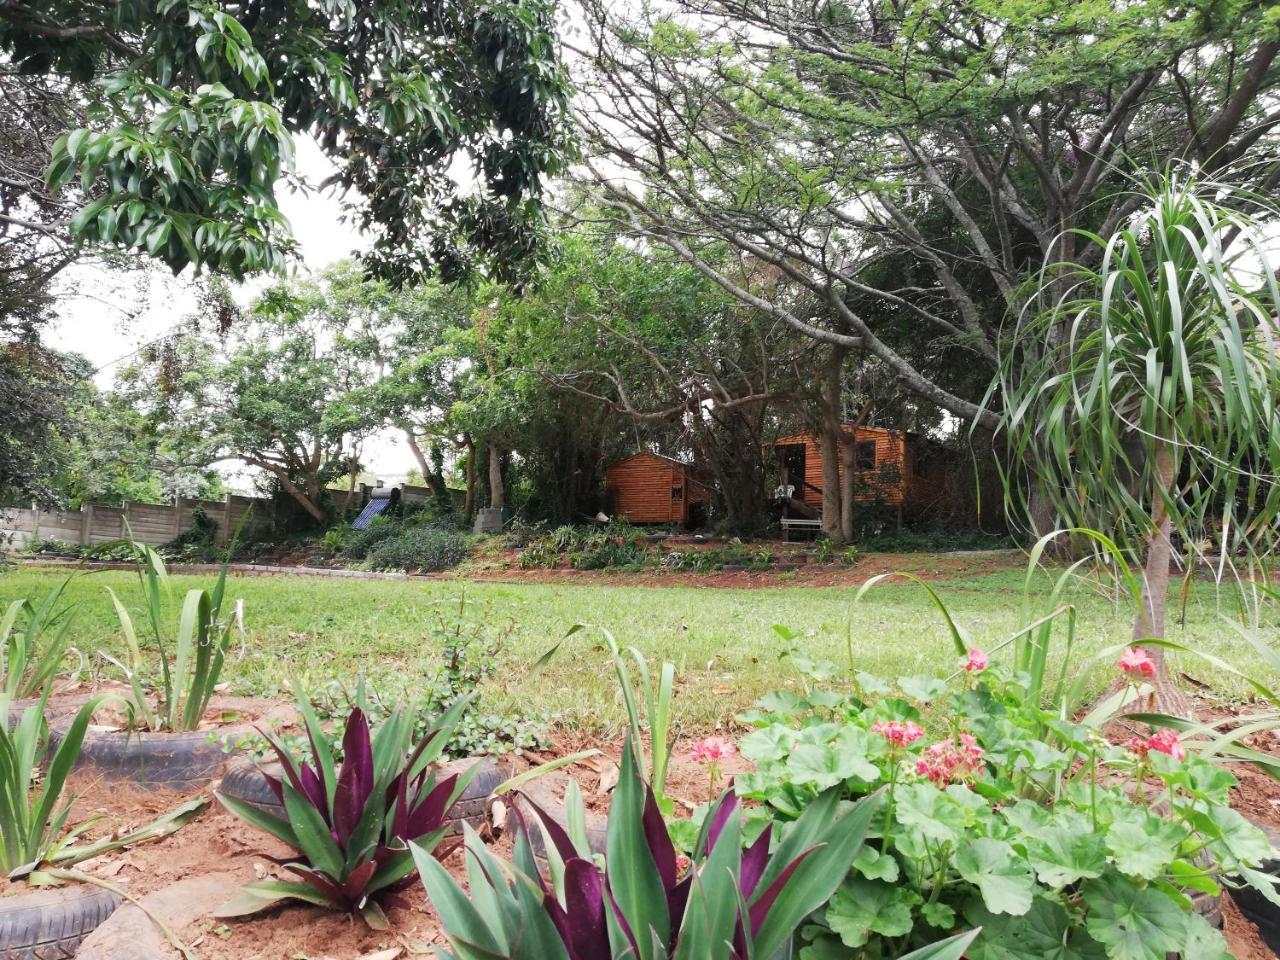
177,515
126,529
86,524
224,531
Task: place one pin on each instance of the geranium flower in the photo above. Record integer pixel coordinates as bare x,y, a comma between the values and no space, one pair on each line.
712,749
948,760
1136,663
899,733
977,661
1162,741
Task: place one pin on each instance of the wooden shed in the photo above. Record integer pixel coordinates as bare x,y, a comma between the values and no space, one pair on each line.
648,488
893,468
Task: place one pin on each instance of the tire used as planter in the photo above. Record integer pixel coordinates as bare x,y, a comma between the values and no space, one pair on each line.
1257,909
156,761
50,924
244,781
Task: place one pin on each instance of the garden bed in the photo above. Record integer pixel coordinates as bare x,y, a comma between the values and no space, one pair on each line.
217,844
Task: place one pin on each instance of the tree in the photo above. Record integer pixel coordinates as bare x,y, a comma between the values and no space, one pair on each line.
285,392
191,108
908,164
1143,398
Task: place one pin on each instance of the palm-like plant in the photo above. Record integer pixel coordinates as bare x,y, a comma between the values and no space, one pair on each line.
1142,400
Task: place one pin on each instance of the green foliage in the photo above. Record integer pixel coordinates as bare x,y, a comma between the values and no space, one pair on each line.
203,638
608,555
731,903
195,110
335,539
198,544
34,643
1002,815
350,830
33,814
423,548
1145,388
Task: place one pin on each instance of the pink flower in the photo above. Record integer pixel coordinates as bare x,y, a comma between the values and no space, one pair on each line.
947,760
683,864
1167,741
1162,741
977,661
1137,663
899,733
712,750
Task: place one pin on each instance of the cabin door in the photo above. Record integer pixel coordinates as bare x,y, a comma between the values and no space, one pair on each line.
793,468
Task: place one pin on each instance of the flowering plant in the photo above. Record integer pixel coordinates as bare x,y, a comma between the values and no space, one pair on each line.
1054,840
710,751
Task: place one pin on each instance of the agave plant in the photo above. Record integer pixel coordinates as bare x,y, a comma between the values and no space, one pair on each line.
204,637
34,810
732,904
352,827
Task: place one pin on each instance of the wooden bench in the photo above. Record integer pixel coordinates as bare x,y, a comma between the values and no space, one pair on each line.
797,523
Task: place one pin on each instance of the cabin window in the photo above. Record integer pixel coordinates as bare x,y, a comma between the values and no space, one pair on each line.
677,493
864,454
918,465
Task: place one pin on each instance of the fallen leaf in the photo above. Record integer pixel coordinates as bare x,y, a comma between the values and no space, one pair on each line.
388,954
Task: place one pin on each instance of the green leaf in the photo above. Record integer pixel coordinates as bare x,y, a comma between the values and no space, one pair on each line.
874,865
256,897
923,807
1004,880
863,907
922,688
1134,923
1063,855
824,765
1143,850
1045,932
939,915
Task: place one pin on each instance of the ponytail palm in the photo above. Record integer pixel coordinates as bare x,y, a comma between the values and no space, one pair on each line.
1142,400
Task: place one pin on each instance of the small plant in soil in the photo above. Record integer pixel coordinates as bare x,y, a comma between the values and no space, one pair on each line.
199,651
351,829
33,643
33,811
727,903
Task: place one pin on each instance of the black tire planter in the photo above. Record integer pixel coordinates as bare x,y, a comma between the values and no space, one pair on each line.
50,924
155,761
58,707
1256,908
244,781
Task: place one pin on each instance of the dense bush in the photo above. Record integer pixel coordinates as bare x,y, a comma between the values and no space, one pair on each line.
358,545
419,548
198,544
608,555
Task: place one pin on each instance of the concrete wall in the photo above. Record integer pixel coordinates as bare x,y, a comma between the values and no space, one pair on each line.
149,522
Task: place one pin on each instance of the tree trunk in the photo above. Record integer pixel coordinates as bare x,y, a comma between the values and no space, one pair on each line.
423,467
469,503
1150,620
435,480
497,494
847,484
829,443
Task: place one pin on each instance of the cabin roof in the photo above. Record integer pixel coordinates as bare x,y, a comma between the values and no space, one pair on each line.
804,435
652,456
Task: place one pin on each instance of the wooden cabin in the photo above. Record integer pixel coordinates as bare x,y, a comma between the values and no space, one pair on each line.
893,469
648,488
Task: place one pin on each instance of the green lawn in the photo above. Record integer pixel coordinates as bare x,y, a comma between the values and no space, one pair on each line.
721,640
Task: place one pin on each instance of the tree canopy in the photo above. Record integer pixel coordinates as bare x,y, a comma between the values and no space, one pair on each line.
190,109
908,164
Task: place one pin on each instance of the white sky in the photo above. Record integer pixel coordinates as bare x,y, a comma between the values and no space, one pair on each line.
107,316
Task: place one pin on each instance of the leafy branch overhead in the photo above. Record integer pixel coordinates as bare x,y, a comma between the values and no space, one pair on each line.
194,106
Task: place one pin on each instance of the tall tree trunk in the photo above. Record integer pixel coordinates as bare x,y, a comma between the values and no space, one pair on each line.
848,481
829,444
411,439
469,503
497,493
435,480
1149,623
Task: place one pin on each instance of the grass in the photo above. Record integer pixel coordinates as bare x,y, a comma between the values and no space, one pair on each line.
722,641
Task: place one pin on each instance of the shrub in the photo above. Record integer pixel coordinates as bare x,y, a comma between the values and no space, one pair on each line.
34,644
607,555
335,538
361,542
419,548
351,830
537,556
1001,816
197,544
728,903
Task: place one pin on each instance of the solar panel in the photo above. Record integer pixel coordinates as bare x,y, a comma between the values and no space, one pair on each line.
371,510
